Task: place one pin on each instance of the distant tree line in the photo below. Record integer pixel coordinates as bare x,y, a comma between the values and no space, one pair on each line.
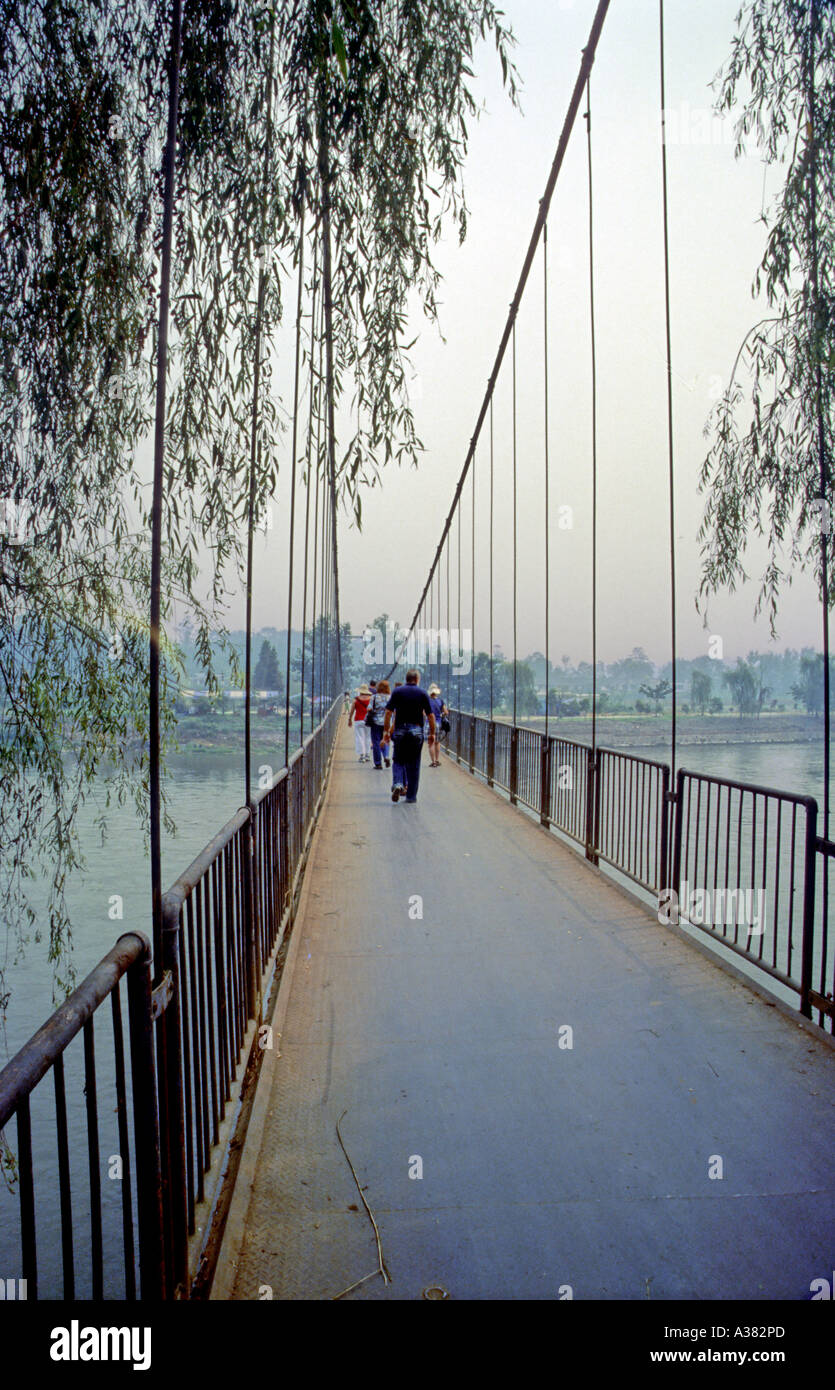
762,681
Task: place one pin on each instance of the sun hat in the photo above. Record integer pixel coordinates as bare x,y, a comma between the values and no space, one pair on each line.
434,690
364,690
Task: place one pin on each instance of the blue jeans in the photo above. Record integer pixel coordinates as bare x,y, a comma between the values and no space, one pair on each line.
376,735
407,774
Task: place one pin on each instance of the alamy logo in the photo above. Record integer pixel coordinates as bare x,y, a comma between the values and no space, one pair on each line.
719,907
77,1343
421,647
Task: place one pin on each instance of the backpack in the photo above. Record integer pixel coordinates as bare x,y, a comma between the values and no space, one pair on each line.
371,717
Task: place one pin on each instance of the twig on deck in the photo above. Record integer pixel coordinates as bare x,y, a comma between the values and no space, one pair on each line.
381,1264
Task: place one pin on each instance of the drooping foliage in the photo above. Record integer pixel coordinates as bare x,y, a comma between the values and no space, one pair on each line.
773,429
263,88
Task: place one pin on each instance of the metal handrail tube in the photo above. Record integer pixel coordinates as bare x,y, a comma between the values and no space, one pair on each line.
33,1060
753,787
180,889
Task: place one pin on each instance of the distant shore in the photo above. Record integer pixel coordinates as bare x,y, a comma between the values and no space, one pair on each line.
225,734
692,730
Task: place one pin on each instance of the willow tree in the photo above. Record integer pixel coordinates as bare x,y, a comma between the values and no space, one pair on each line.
384,89
769,470
377,97
82,121
771,476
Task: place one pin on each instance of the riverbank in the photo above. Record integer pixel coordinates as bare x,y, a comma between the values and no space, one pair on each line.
225,733
692,730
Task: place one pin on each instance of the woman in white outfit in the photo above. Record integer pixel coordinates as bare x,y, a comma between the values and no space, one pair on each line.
356,716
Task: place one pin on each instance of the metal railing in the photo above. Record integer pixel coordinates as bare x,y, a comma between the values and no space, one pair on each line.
156,1122
744,872
136,1134
631,821
741,863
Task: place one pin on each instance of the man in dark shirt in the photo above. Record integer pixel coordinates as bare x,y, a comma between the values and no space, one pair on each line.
406,707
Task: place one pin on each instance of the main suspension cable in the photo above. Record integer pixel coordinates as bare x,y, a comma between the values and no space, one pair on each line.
545,202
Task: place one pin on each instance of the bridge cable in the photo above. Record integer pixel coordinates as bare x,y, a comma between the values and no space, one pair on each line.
673,642
814,20
308,485
459,529
449,608
515,581
329,392
587,117
263,269
472,617
154,775
437,613
313,636
547,499
491,558
294,448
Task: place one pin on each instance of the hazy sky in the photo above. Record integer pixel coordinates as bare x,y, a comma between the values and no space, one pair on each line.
716,242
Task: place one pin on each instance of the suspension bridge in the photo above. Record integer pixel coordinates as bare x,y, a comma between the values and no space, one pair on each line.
529,1038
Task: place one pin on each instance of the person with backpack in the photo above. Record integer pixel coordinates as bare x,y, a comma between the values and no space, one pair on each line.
376,720
404,727
356,716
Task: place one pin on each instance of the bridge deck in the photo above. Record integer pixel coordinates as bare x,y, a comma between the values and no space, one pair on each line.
544,1166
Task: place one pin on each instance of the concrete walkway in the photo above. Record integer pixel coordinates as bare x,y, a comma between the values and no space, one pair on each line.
545,1166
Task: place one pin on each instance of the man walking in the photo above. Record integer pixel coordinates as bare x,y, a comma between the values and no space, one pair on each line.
406,708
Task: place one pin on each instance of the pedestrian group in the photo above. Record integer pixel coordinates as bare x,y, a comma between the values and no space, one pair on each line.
392,725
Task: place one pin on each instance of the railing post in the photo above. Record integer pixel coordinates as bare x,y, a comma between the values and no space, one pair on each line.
284,840
175,1130
678,831
248,886
666,808
146,1131
472,743
257,881
545,781
809,885
592,806
301,776
491,752
513,779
